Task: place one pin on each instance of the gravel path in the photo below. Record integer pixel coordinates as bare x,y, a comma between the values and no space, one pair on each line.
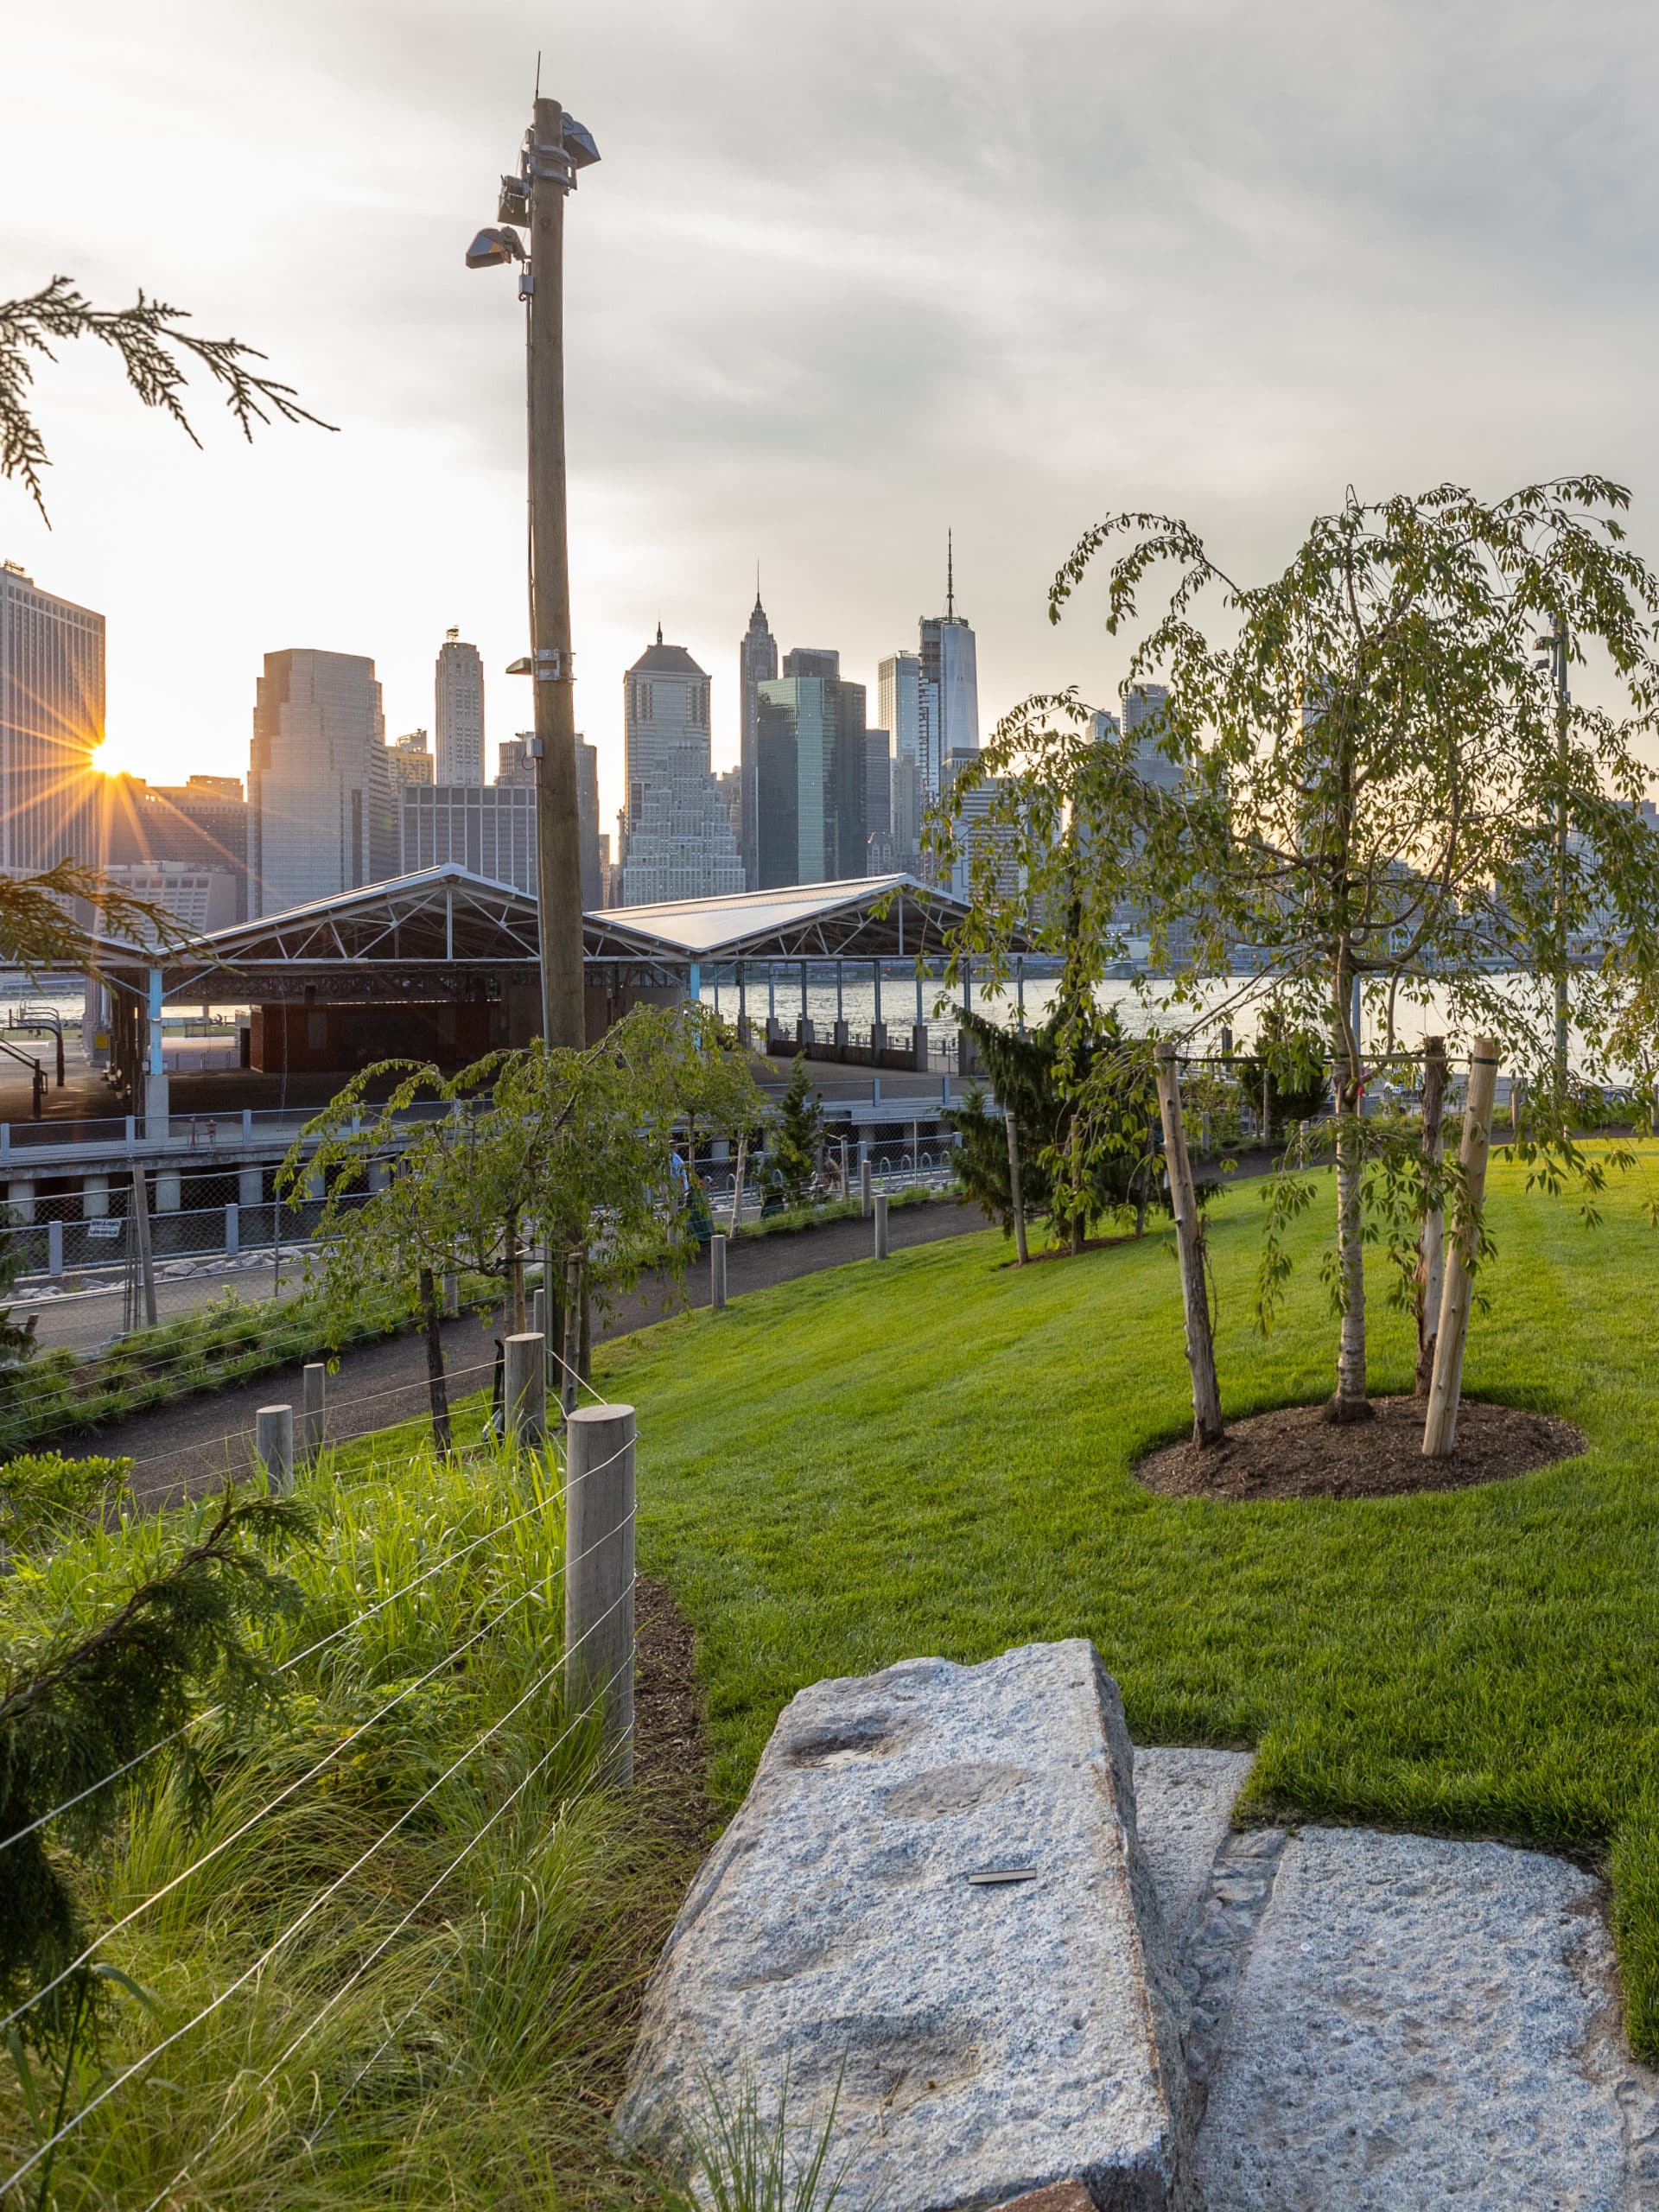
191,1444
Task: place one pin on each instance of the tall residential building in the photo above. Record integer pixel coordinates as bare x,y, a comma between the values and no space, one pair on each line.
459,687
677,840
757,662
976,834
320,815
878,783
51,723
812,762
488,827
680,843
900,704
666,708
593,877
408,760
197,827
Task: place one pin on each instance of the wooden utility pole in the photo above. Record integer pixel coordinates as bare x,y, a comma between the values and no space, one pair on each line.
1018,1201
1441,1430
1189,1237
551,175
1431,1244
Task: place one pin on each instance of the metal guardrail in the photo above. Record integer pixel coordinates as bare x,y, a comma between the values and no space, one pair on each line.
47,1250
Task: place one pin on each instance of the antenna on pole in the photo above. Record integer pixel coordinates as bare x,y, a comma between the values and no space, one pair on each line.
539,72
950,579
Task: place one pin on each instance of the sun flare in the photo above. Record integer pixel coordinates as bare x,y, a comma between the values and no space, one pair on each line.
121,753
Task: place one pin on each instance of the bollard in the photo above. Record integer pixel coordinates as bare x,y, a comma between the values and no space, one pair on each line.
864,1188
599,1574
451,1296
526,1390
880,1224
273,1445
846,1170
314,1384
717,1273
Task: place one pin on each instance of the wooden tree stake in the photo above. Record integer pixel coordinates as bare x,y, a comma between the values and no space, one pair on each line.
1441,1430
1189,1237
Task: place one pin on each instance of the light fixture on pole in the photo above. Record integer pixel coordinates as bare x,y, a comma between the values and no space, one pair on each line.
556,147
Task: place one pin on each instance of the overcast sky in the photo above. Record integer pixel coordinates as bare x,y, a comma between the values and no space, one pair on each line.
848,274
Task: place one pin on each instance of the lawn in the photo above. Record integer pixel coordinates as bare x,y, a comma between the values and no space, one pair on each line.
935,1456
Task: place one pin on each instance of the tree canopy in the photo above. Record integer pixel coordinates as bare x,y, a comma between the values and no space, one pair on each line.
1359,789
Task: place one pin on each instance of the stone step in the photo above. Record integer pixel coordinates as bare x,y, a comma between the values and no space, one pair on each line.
978,2038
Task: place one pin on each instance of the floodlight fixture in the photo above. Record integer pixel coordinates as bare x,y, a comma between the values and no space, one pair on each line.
579,143
522,666
490,249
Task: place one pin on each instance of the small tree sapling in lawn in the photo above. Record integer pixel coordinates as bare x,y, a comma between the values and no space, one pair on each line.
571,1150
1359,791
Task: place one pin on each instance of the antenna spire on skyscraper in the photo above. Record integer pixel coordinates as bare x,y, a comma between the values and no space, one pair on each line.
950,579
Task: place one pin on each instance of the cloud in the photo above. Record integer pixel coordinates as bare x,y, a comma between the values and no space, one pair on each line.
845,275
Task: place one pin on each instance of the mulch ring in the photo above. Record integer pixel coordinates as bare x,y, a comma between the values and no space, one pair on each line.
1296,1453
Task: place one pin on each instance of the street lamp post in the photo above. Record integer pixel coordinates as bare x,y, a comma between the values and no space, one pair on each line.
556,147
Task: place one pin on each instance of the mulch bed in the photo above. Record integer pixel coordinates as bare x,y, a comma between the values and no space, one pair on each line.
669,1755
1296,1452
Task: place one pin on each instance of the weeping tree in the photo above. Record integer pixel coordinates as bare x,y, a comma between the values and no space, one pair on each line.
1084,1146
1361,789
567,1151
155,349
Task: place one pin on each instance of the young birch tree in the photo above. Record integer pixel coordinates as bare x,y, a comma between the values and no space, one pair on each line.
1381,801
566,1150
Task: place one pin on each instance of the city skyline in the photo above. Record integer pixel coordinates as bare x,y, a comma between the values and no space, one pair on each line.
1230,307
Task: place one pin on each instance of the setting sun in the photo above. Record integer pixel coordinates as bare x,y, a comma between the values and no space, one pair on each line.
120,754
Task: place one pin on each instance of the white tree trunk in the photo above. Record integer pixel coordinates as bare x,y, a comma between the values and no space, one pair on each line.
1350,1402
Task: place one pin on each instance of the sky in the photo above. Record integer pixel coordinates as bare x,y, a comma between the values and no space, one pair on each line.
847,275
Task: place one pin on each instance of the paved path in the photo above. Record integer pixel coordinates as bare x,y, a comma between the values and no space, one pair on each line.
190,1444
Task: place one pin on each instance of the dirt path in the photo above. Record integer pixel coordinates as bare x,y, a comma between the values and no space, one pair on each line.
191,1444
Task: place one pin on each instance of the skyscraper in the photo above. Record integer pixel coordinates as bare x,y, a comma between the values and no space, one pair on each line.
930,702
757,662
51,723
460,725
950,684
899,694
408,760
677,841
812,780
320,816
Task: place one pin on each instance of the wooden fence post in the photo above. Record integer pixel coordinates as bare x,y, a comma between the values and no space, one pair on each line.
526,1389
1189,1238
598,1492
273,1443
313,1378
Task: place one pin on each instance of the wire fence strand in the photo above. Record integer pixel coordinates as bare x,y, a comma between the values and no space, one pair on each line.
148,2058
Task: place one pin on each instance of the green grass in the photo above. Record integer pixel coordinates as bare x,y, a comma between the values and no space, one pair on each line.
934,1456
473,2061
